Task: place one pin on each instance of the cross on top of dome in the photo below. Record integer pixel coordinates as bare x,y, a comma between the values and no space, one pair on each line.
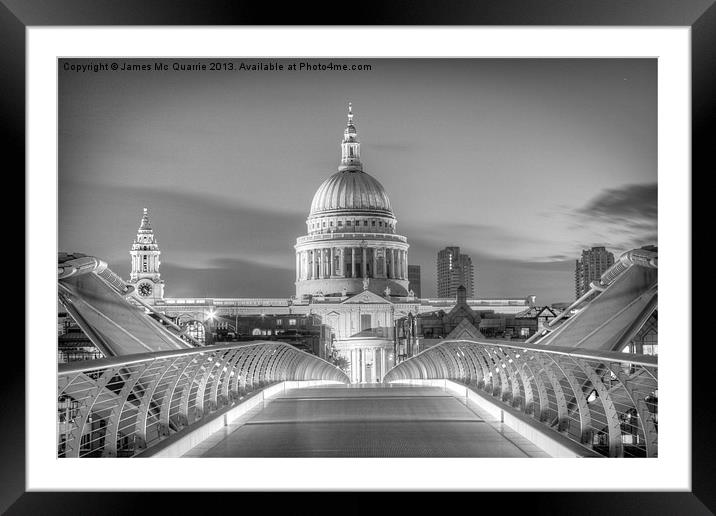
350,134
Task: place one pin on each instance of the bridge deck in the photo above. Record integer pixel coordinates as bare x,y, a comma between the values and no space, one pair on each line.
366,421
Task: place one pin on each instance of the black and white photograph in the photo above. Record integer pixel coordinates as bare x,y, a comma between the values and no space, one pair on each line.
347,257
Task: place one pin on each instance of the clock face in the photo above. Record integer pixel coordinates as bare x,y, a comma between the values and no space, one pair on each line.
145,289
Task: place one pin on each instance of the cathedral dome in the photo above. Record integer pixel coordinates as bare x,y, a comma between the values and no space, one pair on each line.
351,245
351,191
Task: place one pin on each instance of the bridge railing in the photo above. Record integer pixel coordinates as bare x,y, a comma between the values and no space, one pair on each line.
606,401
120,406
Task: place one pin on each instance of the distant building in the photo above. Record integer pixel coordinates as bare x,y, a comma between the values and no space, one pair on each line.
544,315
414,279
305,332
590,267
72,343
454,269
417,332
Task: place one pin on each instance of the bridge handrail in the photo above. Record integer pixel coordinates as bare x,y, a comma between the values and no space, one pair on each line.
120,406
642,360
639,257
606,401
92,365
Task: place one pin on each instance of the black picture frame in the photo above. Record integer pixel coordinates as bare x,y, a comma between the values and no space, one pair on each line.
17,15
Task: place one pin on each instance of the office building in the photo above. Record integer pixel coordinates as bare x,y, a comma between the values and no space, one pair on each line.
593,263
454,269
414,280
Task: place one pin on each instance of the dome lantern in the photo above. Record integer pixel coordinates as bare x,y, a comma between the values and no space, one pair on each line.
350,146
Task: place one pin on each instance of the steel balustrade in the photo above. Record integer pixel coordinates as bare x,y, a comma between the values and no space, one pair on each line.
120,406
606,401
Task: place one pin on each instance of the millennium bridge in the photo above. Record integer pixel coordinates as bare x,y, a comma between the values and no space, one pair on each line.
569,391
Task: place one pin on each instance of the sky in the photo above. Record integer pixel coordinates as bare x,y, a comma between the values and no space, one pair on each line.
520,162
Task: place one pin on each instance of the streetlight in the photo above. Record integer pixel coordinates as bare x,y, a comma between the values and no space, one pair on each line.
209,320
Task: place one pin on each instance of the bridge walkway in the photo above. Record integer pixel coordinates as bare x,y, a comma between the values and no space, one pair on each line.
366,420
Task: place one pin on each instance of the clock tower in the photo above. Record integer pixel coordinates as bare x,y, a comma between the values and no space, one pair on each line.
145,253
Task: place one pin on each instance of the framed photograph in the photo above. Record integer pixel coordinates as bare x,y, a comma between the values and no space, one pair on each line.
414,253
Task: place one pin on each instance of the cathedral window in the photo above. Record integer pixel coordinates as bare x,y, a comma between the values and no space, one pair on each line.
348,223
365,223
373,223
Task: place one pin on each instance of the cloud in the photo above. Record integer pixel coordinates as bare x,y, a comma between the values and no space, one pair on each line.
485,239
551,277
192,229
630,203
390,146
621,218
228,278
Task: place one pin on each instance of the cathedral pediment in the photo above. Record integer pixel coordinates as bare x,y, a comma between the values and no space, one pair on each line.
465,331
546,312
366,297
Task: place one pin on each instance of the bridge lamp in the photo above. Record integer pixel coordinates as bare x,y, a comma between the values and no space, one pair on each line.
211,316
592,396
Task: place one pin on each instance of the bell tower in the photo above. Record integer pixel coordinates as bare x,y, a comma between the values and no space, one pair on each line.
145,253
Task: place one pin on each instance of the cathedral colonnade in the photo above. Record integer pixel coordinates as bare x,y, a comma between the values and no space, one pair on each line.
351,262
